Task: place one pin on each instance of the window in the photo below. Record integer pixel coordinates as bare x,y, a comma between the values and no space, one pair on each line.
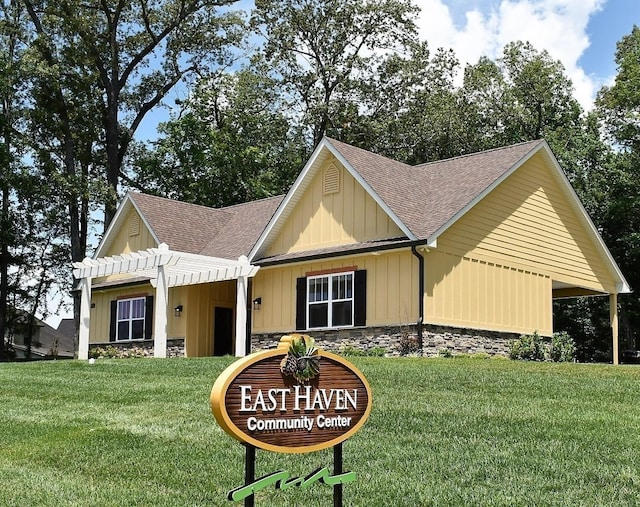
331,300
131,318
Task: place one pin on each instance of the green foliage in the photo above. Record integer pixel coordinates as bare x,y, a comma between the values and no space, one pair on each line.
562,348
528,347
348,349
533,347
446,353
111,352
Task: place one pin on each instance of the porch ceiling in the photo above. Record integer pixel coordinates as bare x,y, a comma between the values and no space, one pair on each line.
180,268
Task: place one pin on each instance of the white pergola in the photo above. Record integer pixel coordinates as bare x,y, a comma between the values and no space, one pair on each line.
165,268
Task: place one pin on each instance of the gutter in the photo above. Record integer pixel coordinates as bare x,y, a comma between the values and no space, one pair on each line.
414,251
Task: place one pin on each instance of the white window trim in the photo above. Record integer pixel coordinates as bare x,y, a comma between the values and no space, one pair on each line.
130,320
330,300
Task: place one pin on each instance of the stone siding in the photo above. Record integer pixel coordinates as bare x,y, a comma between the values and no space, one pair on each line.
401,340
140,348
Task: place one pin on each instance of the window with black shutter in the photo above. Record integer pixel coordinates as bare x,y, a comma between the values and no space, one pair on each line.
131,319
334,300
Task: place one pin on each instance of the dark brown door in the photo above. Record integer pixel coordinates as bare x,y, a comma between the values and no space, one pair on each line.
223,331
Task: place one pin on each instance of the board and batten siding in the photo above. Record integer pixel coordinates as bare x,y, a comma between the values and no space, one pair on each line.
133,237
476,294
101,310
333,211
528,222
392,289
199,305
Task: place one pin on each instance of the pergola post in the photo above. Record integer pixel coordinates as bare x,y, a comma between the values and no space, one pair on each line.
241,312
85,318
613,319
160,315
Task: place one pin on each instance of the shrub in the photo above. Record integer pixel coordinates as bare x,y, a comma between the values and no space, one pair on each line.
444,353
563,347
408,345
529,347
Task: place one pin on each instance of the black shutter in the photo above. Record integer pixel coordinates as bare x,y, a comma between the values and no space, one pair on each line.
112,321
148,318
301,304
360,298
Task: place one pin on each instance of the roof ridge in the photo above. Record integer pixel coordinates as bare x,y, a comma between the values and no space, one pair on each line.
477,153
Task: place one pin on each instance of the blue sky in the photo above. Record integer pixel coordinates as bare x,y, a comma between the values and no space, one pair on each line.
582,34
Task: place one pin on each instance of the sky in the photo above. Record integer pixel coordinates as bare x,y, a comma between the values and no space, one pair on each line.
582,34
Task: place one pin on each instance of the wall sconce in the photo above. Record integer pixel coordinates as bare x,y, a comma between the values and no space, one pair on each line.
256,303
177,311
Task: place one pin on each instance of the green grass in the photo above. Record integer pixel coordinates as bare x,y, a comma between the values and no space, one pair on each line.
441,432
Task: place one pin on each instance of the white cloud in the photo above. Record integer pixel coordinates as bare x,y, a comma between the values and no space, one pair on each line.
559,26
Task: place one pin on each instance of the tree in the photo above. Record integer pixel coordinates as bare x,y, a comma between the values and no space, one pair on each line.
619,109
231,144
320,49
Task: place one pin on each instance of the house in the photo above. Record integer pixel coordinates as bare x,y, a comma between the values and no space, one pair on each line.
362,248
46,342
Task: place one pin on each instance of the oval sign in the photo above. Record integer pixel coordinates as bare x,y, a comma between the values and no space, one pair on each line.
258,400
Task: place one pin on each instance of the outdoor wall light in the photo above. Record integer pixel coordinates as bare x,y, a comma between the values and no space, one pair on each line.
177,311
256,303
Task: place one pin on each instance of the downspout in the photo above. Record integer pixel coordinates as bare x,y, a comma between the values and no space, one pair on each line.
414,251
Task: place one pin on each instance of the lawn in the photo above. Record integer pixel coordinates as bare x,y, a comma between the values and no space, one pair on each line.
441,432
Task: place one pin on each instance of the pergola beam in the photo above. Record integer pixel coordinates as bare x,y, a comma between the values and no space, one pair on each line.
165,269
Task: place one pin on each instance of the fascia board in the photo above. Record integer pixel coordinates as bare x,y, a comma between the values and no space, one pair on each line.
358,177
281,214
300,185
117,223
574,200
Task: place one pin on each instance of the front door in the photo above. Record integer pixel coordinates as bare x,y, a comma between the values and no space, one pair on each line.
223,331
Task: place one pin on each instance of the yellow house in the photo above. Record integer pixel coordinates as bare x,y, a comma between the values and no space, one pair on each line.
362,248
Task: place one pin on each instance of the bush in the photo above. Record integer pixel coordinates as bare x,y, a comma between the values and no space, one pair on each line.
444,353
563,347
408,345
529,347
532,347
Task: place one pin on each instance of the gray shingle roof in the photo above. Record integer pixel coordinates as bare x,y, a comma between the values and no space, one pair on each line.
217,232
427,196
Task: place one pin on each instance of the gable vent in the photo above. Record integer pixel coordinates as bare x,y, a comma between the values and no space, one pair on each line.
331,183
134,225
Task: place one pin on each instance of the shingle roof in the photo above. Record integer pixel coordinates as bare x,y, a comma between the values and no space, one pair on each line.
426,197
217,232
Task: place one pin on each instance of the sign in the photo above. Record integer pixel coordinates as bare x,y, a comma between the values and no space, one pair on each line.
293,399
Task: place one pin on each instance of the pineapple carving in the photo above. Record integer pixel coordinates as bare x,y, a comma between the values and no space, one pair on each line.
302,360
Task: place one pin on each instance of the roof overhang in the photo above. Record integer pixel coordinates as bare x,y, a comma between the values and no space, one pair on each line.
180,268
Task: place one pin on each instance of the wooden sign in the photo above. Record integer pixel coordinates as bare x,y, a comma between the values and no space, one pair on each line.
293,399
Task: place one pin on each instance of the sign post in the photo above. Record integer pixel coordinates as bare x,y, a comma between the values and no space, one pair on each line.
293,399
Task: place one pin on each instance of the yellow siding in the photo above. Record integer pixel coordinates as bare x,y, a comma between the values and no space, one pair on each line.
472,293
528,222
129,238
323,219
101,310
392,290
201,301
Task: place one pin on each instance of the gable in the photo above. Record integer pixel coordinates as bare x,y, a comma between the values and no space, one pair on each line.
529,220
333,210
133,235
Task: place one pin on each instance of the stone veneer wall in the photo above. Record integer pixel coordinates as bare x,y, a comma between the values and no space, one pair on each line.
142,348
402,340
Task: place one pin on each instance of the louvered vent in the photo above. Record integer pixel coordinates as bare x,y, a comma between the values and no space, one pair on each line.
134,225
331,184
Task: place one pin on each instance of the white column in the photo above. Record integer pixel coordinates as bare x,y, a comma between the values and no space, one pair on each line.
85,318
160,315
613,319
241,316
